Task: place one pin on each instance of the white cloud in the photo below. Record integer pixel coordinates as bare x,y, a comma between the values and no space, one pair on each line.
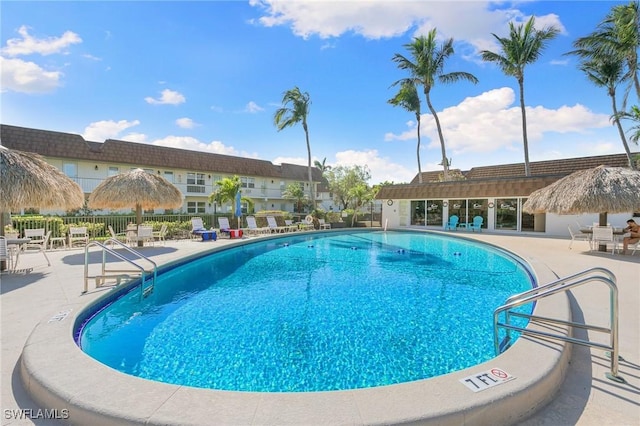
185,123
492,122
193,144
472,22
27,77
253,107
28,44
381,168
167,97
301,161
108,129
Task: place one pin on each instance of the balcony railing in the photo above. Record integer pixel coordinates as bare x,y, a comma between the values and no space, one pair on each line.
90,184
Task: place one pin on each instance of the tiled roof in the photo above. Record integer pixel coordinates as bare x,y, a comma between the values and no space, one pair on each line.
504,187
561,167
66,145
506,180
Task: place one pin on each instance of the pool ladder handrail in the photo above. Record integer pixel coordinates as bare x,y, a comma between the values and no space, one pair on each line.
106,273
597,274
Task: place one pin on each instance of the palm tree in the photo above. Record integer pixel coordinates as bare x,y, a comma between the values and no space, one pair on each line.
617,36
634,115
227,191
407,97
295,193
425,67
294,110
523,46
609,74
323,167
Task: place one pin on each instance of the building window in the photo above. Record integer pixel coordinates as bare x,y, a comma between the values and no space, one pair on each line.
417,213
195,207
195,183
434,212
112,171
506,213
247,182
478,208
70,169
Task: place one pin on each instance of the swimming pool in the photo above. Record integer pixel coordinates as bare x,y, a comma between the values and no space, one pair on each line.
312,312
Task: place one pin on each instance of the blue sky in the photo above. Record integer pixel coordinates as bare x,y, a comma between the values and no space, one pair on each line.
209,75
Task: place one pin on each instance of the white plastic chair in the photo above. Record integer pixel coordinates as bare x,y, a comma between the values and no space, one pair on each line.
160,235
579,236
78,235
324,225
145,234
273,225
603,235
253,226
38,243
5,254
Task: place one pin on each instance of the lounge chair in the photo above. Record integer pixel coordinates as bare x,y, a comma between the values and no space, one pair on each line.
225,228
197,226
253,227
324,225
291,227
453,223
273,225
476,224
78,235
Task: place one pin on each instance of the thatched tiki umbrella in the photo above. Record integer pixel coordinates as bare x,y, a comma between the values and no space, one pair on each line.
601,190
27,180
135,189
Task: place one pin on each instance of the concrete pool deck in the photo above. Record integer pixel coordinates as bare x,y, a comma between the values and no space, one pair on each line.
31,299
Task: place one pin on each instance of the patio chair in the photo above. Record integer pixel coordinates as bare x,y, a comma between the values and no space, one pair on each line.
476,224
453,223
38,243
145,234
225,228
603,235
578,236
78,235
5,254
161,234
273,225
122,236
253,226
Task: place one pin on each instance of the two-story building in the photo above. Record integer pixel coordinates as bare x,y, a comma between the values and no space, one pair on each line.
194,173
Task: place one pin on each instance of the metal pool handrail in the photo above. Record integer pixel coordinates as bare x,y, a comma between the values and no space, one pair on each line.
105,273
554,287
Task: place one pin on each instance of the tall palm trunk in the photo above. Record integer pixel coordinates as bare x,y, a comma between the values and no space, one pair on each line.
418,150
525,141
616,119
306,134
445,162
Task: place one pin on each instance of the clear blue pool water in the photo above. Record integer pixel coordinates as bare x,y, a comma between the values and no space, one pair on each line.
312,313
